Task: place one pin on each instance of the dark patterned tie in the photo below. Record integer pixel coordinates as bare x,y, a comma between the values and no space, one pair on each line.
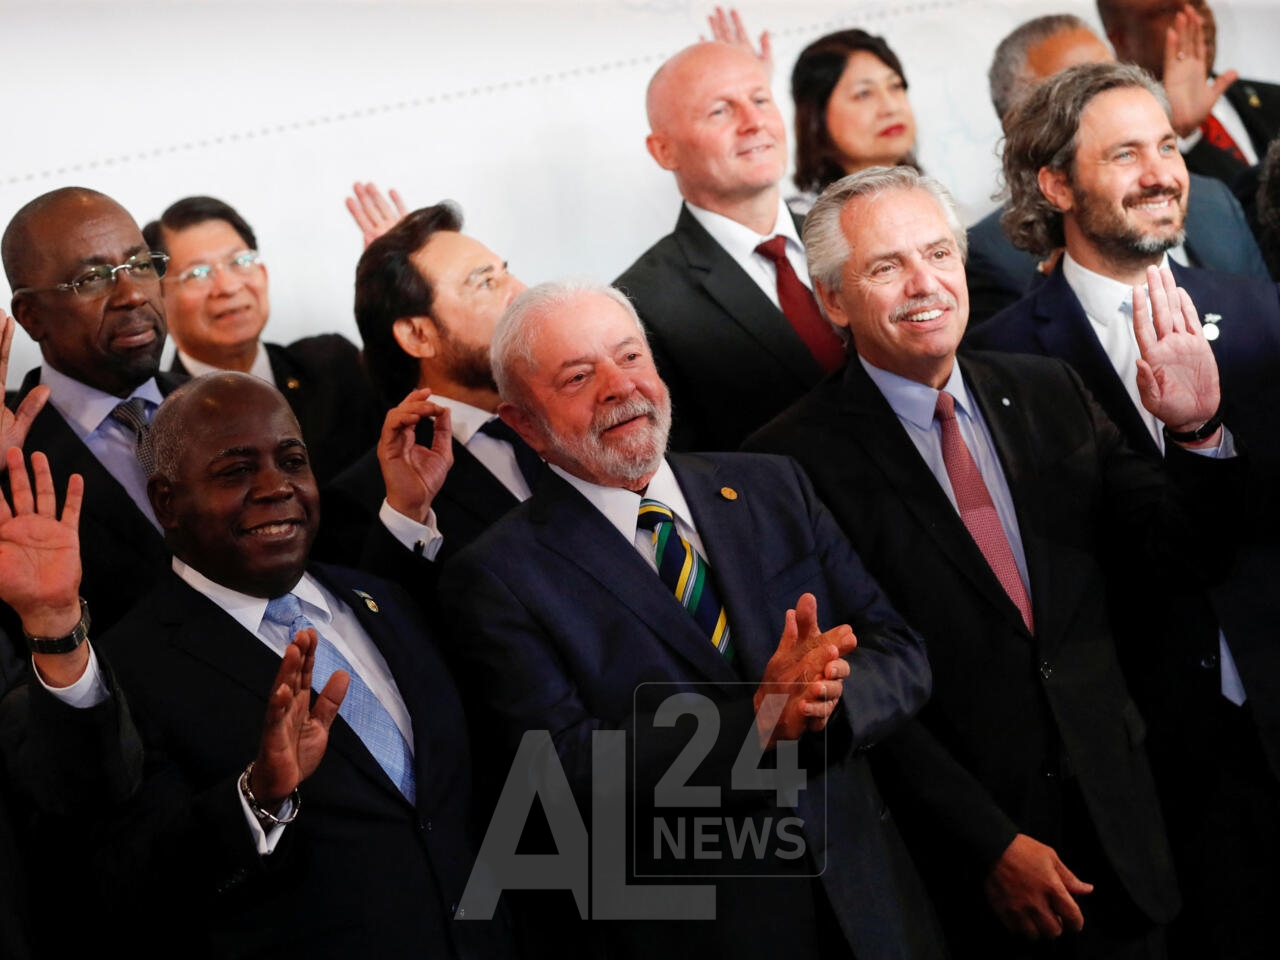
801,309
530,463
133,414
1217,135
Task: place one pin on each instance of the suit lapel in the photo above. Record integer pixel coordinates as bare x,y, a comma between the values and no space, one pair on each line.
872,424
567,524
742,300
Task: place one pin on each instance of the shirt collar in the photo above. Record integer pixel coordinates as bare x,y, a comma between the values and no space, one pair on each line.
466,420
85,407
914,401
248,611
621,507
261,365
1101,297
740,242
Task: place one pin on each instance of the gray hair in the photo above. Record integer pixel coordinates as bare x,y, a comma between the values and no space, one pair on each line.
825,244
1009,77
169,431
517,329
1041,131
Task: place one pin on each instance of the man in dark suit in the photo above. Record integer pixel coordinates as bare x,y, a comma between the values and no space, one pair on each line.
87,290
216,300
427,300
564,620
1245,114
732,323
990,497
999,274
1219,683
380,849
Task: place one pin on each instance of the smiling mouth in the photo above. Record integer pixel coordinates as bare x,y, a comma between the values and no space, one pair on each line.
1155,203
274,530
924,316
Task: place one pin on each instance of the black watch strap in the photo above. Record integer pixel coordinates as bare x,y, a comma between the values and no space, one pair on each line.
64,644
1202,432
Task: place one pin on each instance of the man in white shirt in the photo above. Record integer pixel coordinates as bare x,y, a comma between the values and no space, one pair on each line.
1092,163
734,327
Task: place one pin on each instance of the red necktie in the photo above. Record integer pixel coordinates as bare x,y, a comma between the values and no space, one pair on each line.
977,511
801,310
1217,135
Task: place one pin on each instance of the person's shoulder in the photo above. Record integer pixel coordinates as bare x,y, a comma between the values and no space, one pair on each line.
328,347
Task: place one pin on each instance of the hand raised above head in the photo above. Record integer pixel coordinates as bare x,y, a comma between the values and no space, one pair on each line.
728,28
1186,73
371,211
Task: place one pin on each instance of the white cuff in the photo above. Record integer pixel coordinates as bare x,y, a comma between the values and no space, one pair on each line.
265,840
422,538
89,691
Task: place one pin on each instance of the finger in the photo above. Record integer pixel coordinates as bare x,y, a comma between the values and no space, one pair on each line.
1067,911
358,214
6,341
28,409
442,437
837,669
1177,320
1142,329
1147,386
1223,81
1189,312
46,501
71,506
842,638
807,616
19,484
401,210
789,633
329,700
1161,321
13,463
380,204
306,642
739,30
1073,883
766,48
289,673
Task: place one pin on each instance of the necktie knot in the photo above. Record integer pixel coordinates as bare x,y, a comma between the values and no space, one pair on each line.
946,408
132,413
800,308
775,248
654,512
287,612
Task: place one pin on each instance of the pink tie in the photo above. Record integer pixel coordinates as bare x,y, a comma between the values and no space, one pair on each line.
976,509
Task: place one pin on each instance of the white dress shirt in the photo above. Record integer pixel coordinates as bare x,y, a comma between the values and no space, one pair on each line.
87,412
1225,113
740,243
261,365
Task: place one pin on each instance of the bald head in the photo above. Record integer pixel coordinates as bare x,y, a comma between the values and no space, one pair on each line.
23,237
670,87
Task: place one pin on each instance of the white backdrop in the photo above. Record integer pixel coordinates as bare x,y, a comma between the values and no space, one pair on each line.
530,113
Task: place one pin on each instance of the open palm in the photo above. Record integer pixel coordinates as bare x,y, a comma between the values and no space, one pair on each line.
39,553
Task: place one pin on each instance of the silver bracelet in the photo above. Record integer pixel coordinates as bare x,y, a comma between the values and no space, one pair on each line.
263,814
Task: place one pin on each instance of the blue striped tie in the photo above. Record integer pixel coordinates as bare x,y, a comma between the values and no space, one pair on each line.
686,574
363,712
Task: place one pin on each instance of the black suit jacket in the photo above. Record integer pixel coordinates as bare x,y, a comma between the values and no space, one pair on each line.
728,355
121,551
361,872
1051,322
1014,718
324,381
559,620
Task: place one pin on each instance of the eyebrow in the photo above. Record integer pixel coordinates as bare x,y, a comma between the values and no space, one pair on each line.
95,259
587,358
944,240
479,272
251,451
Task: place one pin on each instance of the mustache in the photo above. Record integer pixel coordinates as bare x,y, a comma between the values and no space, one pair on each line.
636,406
1153,193
932,301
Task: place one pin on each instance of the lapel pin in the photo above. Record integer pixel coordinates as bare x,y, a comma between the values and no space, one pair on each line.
1005,401
729,493
1210,326
1253,99
292,383
368,600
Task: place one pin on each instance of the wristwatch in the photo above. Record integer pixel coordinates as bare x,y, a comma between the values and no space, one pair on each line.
64,644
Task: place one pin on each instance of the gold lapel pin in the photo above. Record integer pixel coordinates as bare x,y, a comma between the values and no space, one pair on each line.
292,383
368,600
729,493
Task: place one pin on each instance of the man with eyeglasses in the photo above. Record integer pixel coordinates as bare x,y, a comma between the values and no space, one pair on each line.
216,300
86,288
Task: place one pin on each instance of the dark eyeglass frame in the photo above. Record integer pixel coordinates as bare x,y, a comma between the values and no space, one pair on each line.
103,273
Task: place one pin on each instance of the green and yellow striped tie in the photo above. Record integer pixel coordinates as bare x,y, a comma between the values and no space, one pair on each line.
686,574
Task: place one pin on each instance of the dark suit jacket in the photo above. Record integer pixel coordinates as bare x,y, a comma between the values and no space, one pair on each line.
361,872
470,500
728,355
1218,238
561,620
1051,322
121,551
1258,105
1014,718
324,381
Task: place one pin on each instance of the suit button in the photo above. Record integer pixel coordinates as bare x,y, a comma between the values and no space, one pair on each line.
426,826
1209,662
1046,669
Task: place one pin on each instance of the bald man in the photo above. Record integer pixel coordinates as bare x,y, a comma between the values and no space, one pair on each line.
732,323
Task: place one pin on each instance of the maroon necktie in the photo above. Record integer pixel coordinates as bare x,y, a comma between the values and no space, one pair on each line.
801,310
1217,135
976,509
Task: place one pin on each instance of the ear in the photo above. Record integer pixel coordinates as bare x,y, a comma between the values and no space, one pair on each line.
27,317
417,336
1056,188
662,150
831,304
519,420
160,493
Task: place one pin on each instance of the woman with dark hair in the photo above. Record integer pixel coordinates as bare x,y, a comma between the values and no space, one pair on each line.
852,111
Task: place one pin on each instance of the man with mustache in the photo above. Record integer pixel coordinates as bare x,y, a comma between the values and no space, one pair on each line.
1092,164
631,575
995,503
86,288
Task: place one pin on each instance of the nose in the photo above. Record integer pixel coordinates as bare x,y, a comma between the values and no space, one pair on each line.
225,280
615,383
270,482
128,291
921,281
515,287
751,116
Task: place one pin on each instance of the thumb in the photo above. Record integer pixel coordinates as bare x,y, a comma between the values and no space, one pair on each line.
1074,884
1222,81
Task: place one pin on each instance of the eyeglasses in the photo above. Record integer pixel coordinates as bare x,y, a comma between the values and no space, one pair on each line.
98,281
200,274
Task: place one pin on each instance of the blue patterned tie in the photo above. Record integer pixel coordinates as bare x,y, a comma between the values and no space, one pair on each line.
362,711
686,574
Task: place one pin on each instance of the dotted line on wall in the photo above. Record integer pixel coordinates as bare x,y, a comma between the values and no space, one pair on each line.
899,11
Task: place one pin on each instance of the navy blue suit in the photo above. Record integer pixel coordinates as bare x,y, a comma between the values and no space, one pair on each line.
1218,238
560,620
361,872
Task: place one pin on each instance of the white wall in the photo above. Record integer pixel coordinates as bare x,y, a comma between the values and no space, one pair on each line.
528,112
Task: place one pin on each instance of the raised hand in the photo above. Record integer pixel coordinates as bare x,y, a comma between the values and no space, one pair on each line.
728,28
14,426
809,668
40,552
1032,891
371,211
1177,372
294,733
414,474
1186,72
